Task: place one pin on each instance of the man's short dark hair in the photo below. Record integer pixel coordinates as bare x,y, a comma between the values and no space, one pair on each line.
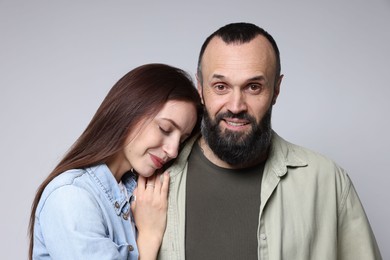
239,33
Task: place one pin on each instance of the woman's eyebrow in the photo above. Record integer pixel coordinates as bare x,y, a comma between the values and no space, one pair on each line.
173,123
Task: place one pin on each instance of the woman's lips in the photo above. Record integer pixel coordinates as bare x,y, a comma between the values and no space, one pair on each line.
158,162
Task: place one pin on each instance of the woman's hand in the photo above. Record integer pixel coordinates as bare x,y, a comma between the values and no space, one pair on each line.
150,213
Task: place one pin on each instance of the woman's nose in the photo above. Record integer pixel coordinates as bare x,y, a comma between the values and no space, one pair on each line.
172,148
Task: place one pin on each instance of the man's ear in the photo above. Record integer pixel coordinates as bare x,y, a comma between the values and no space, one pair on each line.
277,89
199,87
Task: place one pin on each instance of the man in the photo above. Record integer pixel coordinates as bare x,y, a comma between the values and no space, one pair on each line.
239,191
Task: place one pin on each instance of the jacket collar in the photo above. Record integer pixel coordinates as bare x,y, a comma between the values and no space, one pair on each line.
283,155
181,160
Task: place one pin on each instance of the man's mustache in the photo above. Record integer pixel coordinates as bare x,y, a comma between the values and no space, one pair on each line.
242,115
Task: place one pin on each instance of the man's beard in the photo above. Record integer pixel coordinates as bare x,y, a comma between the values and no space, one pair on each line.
234,147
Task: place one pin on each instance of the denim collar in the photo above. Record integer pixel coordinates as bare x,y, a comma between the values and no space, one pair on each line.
102,175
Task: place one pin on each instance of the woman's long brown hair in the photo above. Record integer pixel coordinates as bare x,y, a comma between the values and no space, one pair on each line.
139,94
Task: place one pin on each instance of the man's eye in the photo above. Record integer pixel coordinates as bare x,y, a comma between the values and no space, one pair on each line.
220,87
254,88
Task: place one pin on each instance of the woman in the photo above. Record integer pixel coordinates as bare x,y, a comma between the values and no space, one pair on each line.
82,209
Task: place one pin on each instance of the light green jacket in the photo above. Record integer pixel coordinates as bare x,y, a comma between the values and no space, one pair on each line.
309,209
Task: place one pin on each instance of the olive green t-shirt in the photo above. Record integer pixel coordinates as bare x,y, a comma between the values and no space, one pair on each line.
222,210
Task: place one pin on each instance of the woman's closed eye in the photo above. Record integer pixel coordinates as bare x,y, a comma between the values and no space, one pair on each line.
165,130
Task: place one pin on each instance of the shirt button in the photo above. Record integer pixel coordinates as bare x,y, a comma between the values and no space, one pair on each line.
125,216
263,236
116,204
130,248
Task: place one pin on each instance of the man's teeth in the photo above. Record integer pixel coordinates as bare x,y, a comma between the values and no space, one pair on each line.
235,123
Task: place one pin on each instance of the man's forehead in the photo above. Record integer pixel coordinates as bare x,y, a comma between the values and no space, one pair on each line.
258,48
256,55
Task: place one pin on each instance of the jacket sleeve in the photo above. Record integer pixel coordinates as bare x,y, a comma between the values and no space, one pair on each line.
355,236
73,227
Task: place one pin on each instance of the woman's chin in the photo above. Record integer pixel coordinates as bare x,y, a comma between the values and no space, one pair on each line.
146,173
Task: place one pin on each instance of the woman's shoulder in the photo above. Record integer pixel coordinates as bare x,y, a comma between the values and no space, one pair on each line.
65,182
66,178
66,197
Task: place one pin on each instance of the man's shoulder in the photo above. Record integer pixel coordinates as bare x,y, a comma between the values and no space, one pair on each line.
306,160
292,150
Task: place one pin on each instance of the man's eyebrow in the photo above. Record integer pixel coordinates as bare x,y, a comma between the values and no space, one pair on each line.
260,77
218,76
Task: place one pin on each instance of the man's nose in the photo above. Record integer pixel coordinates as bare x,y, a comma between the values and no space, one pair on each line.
237,102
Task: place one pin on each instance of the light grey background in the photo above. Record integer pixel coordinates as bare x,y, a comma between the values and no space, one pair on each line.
58,59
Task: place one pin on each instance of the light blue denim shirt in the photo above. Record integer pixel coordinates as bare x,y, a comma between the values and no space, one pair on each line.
83,214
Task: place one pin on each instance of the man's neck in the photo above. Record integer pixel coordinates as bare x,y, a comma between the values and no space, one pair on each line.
212,157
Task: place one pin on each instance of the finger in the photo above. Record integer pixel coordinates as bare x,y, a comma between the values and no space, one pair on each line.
133,200
141,184
158,183
134,196
165,184
150,183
